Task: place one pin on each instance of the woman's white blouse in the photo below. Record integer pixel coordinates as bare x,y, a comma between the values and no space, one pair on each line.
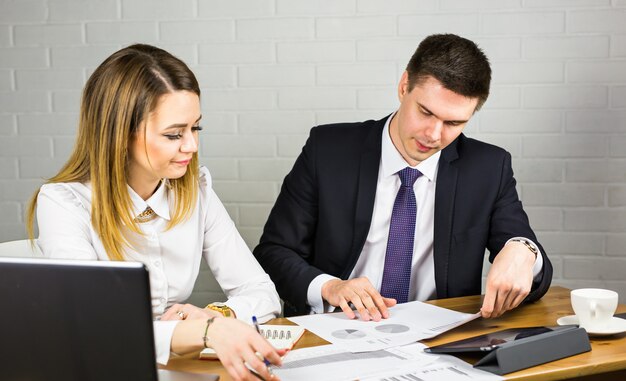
172,256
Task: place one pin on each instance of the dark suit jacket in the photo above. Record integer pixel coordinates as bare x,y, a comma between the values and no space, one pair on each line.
323,213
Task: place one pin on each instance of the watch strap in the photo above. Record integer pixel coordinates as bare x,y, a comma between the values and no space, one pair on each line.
528,243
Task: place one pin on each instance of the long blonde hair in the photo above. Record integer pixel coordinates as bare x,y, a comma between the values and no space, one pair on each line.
118,97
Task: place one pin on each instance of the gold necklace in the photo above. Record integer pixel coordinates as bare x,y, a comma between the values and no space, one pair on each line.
146,215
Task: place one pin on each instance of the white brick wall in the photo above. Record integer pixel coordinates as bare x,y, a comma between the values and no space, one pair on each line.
23,11
158,10
523,22
275,29
236,53
49,35
71,10
424,24
315,51
273,75
355,27
121,32
240,99
202,31
271,69
229,8
20,57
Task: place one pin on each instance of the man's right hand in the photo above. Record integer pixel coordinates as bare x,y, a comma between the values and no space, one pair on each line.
360,292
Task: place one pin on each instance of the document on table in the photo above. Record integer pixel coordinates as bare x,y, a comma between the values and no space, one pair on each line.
407,323
446,367
330,362
409,362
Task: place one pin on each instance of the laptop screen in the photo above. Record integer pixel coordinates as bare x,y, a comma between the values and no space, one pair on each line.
75,320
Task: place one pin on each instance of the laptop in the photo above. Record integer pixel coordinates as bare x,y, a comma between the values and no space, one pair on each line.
78,320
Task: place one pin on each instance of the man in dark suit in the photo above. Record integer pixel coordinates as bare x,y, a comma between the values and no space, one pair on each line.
403,208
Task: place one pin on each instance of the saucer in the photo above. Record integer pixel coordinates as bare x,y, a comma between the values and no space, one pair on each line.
616,325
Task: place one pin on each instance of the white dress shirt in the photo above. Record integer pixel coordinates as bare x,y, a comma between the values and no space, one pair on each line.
372,258
172,256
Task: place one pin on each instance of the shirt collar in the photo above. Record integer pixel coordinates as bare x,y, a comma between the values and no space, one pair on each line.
157,202
392,161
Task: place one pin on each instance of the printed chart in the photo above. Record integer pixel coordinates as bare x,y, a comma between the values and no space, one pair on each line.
348,334
407,323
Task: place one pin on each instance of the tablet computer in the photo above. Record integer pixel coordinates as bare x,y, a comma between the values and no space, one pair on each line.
490,341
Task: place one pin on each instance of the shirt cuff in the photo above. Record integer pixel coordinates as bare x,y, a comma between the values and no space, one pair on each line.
538,266
314,294
242,310
163,332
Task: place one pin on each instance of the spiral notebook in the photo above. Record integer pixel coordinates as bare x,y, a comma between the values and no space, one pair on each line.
280,336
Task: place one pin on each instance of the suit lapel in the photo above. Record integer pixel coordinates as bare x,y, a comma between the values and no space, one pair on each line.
444,210
366,191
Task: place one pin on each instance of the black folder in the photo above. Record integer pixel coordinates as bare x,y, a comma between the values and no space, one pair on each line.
535,350
513,349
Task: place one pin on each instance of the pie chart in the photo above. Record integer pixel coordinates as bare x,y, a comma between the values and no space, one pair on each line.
392,328
348,334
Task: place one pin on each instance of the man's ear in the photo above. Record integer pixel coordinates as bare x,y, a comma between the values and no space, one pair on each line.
403,85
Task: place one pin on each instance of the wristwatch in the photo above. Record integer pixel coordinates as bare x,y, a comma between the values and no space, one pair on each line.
533,249
221,308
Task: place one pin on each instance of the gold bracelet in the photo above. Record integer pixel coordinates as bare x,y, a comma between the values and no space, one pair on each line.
205,338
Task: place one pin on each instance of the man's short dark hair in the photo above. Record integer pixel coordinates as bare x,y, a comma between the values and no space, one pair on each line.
458,63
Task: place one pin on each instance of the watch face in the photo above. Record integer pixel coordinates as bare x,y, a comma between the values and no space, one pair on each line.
221,308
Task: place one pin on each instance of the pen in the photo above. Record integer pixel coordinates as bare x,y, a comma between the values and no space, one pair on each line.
256,326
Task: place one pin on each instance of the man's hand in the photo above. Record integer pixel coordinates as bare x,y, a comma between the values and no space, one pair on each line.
360,292
509,280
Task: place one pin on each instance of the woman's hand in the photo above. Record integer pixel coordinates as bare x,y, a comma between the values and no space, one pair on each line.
237,343
188,311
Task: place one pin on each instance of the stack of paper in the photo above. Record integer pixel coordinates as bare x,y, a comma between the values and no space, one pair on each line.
408,362
383,350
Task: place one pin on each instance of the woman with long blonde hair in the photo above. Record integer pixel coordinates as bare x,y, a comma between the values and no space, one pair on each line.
132,190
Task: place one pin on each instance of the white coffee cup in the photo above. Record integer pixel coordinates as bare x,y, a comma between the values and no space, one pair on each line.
594,307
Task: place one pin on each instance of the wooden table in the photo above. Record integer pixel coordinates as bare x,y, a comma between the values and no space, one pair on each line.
606,361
